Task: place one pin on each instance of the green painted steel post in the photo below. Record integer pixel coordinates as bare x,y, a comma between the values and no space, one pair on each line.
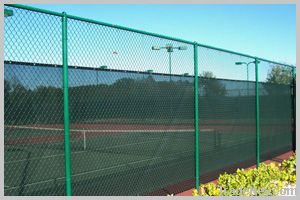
66,106
294,109
170,66
293,72
257,114
196,116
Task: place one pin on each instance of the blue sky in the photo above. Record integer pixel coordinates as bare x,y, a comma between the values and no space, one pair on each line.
267,31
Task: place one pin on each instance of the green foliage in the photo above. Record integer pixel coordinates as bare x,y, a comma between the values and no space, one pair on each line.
279,75
195,192
7,89
267,180
126,97
289,167
210,189
24,105
136,97
212,86
207,74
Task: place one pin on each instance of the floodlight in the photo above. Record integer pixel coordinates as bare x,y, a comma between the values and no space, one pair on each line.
155,48
182,48
239,63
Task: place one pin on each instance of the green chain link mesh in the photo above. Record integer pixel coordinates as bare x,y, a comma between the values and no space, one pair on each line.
226,112
276,109
139,127
33,111
131,110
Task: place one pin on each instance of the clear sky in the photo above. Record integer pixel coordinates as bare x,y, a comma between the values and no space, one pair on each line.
267,31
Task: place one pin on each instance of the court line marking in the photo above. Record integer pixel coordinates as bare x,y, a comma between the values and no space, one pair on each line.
93,171
105,148
109,130
85,151
79,152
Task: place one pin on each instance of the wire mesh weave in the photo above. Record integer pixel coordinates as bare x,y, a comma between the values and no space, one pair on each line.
132,109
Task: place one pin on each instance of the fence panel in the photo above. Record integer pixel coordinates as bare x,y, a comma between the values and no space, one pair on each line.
276,109
135,129
33,126
226,112
132,109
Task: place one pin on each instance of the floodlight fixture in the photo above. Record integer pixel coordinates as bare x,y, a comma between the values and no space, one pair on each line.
182,48
155,48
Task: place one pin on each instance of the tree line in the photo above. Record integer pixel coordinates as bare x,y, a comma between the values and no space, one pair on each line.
132,100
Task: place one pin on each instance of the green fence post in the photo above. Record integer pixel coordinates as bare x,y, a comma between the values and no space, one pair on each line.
294,109
196,115
257,115
66,106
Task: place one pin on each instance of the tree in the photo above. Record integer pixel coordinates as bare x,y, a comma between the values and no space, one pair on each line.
207,74
280,75
278,79
7,90
211,85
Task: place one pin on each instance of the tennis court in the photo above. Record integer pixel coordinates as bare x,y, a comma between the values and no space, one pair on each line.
108,150
109,154
99,156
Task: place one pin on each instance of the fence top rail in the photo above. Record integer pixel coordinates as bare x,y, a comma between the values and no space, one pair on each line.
141,32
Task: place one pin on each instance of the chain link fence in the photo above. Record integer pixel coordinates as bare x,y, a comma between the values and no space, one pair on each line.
135,113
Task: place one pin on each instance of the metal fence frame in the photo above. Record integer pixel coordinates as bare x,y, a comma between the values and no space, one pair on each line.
256,61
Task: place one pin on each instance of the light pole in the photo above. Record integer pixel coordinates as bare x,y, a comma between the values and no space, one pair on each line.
257,106
170,49
247,64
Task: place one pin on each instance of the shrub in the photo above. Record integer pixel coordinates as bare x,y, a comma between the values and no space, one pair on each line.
289,166
195,192
267,180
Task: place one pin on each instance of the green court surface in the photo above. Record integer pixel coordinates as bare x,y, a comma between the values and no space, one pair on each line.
106,159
